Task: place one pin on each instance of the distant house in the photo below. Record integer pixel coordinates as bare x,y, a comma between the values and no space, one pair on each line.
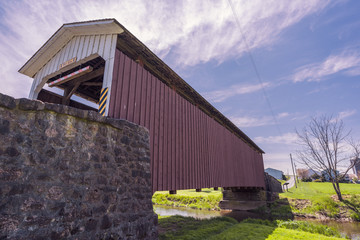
327,176
356,167
275,173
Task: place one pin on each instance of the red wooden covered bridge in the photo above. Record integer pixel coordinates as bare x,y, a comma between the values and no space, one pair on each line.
193,145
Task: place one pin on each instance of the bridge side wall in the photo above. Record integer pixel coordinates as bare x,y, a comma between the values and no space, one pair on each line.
188,148
67,173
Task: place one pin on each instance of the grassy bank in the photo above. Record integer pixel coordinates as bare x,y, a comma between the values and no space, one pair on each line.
315,199
177,227
207,199
317,190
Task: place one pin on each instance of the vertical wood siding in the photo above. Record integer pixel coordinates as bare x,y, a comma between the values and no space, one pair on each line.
189,149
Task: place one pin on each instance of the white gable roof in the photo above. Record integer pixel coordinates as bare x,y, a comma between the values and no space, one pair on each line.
62,36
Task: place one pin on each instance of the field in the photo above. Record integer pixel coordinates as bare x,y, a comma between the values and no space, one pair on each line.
207,199
318,190
177,227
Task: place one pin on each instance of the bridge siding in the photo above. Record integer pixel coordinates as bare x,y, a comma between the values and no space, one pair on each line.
189,149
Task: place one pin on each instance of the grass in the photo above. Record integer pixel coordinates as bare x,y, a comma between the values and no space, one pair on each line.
318,190
318,197
177,227
321,200
206,199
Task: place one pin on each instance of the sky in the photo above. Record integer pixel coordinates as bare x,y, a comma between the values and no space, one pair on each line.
269,66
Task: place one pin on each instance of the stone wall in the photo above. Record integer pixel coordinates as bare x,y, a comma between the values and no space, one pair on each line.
272,184
66,173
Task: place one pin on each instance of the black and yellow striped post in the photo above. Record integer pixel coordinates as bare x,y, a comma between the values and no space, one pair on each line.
103,98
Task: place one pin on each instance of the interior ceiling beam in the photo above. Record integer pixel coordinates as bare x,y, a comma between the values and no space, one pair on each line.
87,77
92,84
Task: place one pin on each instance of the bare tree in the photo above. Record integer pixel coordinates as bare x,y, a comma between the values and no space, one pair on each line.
327,146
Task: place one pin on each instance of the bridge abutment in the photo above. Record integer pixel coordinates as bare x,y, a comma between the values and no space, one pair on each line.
249,198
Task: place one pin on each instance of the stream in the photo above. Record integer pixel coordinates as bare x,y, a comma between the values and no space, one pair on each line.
350,229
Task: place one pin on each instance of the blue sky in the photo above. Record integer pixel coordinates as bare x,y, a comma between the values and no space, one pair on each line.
307,54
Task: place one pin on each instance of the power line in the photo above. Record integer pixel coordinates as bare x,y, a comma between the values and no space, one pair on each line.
255,67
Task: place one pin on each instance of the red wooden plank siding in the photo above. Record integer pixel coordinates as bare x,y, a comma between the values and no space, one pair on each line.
173,140
125,88
182,149
114,86
143,104
138,95
188,148
131,95
152,130
166,141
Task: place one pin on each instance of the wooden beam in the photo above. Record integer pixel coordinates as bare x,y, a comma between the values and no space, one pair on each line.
88,76
92,83
69,91
71,76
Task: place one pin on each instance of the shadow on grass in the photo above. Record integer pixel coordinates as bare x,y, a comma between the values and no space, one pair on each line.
178,227
258,224
277,210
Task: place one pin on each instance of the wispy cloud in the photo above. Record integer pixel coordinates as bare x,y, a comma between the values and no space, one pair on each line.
346,114
247,121
287,138
347,62
221,95
186,33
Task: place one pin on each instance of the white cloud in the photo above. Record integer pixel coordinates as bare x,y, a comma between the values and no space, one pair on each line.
347,62
248,121
284,114
184,32
346,114
242,122
221,95
287,138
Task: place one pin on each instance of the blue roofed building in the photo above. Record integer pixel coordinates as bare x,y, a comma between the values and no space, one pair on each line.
275,173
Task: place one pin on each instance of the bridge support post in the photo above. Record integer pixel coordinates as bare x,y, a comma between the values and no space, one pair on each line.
242,198
248,198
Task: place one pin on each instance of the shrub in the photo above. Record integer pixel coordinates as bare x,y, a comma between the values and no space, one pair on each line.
306,180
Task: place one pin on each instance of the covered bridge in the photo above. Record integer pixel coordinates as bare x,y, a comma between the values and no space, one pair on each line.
192,144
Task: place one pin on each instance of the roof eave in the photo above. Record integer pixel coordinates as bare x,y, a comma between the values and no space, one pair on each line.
62,36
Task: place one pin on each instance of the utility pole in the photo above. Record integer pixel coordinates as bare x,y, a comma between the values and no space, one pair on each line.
292,165
296,173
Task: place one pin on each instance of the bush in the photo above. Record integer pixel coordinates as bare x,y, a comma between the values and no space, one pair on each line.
306,180
317,180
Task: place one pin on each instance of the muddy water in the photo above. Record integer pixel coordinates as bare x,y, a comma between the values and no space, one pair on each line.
350,229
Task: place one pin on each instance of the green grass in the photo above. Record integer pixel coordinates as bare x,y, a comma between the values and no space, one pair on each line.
206,199
318,190
320,193
177,227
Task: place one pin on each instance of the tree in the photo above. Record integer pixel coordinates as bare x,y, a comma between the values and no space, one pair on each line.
302,173
327,146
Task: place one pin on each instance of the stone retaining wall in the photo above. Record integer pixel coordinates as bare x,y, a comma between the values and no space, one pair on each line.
66,173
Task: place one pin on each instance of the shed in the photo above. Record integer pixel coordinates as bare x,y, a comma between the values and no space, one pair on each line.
193,145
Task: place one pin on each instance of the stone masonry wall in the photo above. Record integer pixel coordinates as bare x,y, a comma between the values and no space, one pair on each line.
66,173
